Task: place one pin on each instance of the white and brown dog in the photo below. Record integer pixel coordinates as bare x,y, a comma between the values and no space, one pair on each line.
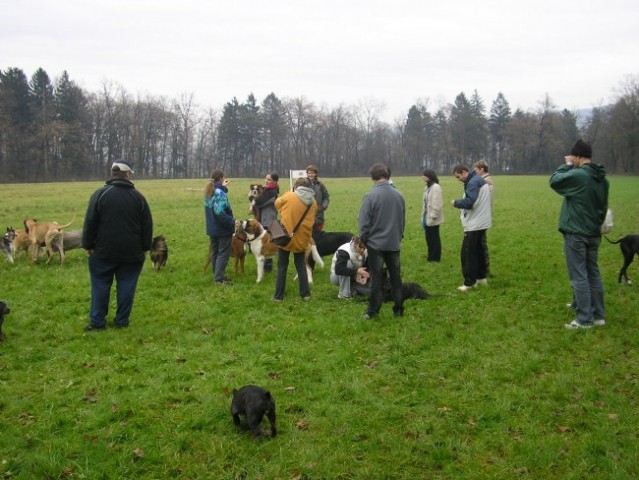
262,246
255,193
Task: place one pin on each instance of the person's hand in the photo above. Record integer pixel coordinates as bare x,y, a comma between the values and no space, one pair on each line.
570,160
452,202
226,182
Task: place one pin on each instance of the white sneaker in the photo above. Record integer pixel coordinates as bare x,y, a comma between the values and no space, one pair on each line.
343,297
483,282
600,322
575,324
465,288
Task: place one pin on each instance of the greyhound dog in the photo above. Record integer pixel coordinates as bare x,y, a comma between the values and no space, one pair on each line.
629,247
62,242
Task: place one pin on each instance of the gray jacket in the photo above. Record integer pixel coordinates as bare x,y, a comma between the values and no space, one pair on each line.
382,218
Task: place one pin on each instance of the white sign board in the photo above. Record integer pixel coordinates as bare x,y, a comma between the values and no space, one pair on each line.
295,174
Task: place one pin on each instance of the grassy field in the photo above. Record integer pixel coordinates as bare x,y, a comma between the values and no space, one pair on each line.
482,385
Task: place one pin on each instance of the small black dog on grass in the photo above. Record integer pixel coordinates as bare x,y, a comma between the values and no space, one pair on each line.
4,310
253,402
159,252
629,247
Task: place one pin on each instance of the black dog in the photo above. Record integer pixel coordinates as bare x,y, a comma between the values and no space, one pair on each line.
4,310
253,403
409,290
327,243
629,247
159,253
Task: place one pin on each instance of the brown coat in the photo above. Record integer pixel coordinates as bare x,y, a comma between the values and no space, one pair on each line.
291,209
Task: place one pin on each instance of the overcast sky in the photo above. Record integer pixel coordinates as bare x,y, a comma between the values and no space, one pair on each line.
332,52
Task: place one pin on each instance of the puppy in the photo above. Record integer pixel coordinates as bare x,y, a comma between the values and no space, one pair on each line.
255,192
629,247
253,402
159,252
5,310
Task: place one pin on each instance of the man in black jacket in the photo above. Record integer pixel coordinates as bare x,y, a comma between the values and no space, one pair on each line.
117,233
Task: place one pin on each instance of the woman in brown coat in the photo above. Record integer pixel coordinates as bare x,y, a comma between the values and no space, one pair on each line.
292,206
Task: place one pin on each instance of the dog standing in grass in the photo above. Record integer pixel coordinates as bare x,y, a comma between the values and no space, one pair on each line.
253,402
629,248
159,252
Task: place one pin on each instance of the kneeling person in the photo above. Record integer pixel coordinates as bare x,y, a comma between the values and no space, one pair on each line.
348,269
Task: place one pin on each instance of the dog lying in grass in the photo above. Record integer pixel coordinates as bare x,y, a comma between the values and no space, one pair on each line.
159,252
4,310
253,403
629,247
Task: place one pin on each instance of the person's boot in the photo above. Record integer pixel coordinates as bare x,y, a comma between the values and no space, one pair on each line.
268,265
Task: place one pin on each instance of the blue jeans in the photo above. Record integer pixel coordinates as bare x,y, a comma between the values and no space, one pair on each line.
376,261
282,267
585,279
220,254
102,273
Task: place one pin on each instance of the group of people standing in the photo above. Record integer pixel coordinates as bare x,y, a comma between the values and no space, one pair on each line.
118,229
306,202
476,218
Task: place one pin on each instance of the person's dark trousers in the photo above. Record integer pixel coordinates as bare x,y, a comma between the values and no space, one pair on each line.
434,243
484,247
220,254
282,267
102,274
376,261
472,257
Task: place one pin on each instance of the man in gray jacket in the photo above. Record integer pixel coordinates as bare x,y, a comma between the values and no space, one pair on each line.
476,218
382,219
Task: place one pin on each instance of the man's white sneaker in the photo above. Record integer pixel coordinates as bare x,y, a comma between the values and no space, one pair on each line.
483,282
600,322
575,324
465,288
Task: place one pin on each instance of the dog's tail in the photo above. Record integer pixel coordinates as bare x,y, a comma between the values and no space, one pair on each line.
316,256
610,241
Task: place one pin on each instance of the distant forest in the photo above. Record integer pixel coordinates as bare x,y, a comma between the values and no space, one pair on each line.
56,131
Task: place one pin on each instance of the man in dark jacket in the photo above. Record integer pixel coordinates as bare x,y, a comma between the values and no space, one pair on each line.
117,233
381,220
584,187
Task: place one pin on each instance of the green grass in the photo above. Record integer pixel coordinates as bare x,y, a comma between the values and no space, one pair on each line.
482,385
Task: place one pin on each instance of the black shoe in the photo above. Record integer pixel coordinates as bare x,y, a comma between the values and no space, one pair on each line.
226,281
93,328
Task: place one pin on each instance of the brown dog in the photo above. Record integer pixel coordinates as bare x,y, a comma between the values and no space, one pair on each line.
238,252
38,233
22,242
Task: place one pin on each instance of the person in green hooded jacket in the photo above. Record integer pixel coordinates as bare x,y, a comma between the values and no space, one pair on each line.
584,186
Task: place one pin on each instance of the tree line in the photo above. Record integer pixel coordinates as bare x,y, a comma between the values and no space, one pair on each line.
57,131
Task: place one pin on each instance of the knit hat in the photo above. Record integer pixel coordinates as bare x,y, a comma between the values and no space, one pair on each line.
581,149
